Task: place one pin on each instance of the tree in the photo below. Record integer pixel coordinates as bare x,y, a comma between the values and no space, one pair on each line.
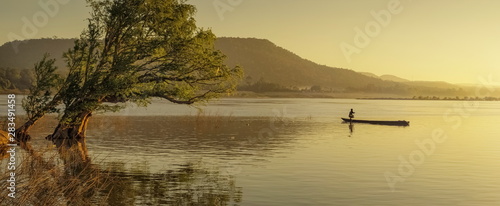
316,88
133,51
40,99
4,81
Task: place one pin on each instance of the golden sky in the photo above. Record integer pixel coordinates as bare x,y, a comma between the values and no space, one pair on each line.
456,41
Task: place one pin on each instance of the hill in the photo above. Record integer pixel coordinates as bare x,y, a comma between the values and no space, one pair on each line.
386,77
393,78
261,59
264,61
433,84
370,74
267,67
28,52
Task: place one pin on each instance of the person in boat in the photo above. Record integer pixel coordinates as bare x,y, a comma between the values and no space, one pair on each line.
351,114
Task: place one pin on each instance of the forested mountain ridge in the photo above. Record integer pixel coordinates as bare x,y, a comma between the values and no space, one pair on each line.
261,59
267,67
24,54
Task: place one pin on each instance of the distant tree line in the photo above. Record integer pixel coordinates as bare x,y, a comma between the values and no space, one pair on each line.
15,79
456,98
263,86
408,90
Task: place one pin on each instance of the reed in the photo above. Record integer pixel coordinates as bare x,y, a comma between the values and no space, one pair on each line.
43,179
208,120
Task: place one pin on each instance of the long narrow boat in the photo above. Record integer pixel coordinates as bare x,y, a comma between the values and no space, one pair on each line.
394,123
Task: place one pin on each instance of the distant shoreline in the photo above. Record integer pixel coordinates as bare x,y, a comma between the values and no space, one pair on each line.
473,99
360,96
325,95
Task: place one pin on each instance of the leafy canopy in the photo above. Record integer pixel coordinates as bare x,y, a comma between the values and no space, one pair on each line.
134,50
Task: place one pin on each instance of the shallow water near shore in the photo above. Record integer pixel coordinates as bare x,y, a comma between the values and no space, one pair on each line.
298,152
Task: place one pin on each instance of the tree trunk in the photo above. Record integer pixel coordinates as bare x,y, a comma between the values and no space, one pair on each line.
73,133
22,132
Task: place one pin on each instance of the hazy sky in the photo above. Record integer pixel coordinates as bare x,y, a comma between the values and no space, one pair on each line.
450,40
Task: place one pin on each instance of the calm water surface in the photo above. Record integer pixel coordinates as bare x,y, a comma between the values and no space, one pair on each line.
298,152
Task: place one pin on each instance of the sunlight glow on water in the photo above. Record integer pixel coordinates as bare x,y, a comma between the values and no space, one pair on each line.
298,152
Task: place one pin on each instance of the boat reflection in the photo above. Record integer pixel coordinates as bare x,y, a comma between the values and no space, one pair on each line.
351,129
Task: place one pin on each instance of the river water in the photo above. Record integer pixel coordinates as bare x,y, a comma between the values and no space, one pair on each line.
298,152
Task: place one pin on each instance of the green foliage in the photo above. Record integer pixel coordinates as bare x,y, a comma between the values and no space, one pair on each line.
12,78
316,88
41,92
4,82
136,50
264,86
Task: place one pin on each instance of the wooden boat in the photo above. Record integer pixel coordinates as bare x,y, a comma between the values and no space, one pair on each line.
394,123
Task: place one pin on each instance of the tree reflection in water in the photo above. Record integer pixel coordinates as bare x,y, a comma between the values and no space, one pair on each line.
190,184
70,178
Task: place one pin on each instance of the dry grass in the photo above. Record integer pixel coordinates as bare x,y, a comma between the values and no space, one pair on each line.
4,140
43,179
